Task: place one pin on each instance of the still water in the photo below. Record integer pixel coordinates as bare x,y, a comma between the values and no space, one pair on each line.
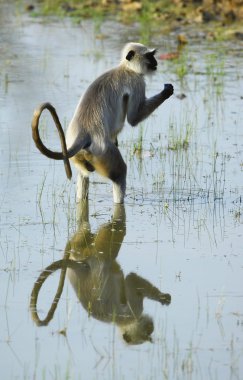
151,290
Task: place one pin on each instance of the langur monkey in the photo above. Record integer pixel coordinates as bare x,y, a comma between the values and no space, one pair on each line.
91,138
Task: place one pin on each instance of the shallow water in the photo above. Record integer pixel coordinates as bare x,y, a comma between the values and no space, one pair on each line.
181,229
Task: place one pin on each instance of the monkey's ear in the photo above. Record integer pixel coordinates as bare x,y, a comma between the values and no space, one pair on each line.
130,55
151,52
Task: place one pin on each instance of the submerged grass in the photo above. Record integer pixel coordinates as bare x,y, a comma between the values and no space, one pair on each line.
182,65
180,134
138,144
179,140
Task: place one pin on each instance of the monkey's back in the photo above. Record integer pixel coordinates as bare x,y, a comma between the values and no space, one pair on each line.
102,110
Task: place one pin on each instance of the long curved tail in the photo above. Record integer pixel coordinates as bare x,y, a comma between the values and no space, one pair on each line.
39,144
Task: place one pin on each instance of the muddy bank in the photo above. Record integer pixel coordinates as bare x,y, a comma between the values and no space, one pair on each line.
217,21
157,14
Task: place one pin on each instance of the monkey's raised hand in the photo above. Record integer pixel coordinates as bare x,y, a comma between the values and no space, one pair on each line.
168,90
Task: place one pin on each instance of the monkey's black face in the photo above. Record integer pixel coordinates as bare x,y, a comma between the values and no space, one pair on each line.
151,61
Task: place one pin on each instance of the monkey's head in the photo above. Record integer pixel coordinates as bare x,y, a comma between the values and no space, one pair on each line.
139,58
138,331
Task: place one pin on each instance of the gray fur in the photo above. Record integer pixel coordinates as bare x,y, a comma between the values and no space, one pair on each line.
99,117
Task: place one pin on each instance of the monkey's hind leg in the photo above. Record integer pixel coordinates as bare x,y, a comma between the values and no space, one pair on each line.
118,174
81,161
112,166
119,190
82,187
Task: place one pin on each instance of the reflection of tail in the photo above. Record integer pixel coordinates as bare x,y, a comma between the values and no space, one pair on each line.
60,264
66,153
37,287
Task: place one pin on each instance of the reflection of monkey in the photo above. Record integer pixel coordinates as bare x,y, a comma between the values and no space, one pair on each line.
101,286
92,134
98,280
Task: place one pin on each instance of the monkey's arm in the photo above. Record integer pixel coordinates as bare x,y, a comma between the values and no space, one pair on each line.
145,289
147,106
